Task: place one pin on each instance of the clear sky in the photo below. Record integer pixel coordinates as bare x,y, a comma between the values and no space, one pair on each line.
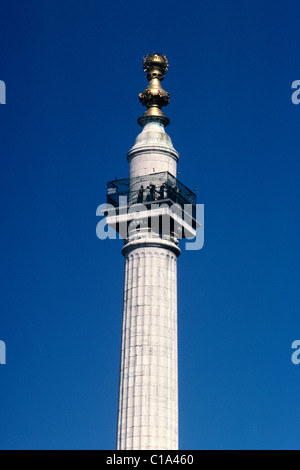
73,71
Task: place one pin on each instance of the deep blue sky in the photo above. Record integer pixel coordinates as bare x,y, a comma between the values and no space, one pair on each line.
73,71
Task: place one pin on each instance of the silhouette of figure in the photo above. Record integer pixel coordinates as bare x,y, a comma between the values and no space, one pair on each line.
140,194
162,191
152,192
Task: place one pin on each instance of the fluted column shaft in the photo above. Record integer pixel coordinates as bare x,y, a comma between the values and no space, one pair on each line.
148,394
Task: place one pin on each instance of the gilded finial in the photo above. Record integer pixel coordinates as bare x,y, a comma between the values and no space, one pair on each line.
154,96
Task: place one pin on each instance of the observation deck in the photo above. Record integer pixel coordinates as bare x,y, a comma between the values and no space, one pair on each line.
157,201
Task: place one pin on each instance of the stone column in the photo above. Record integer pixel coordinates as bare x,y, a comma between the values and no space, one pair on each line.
148,395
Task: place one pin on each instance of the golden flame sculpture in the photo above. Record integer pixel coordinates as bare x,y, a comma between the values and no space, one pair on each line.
154,96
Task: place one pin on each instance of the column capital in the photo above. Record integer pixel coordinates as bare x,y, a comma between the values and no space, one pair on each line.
150,242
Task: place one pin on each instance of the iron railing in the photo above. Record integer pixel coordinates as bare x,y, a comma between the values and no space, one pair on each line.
156,187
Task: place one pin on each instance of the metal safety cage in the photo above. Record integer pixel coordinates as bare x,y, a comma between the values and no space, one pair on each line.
156,187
